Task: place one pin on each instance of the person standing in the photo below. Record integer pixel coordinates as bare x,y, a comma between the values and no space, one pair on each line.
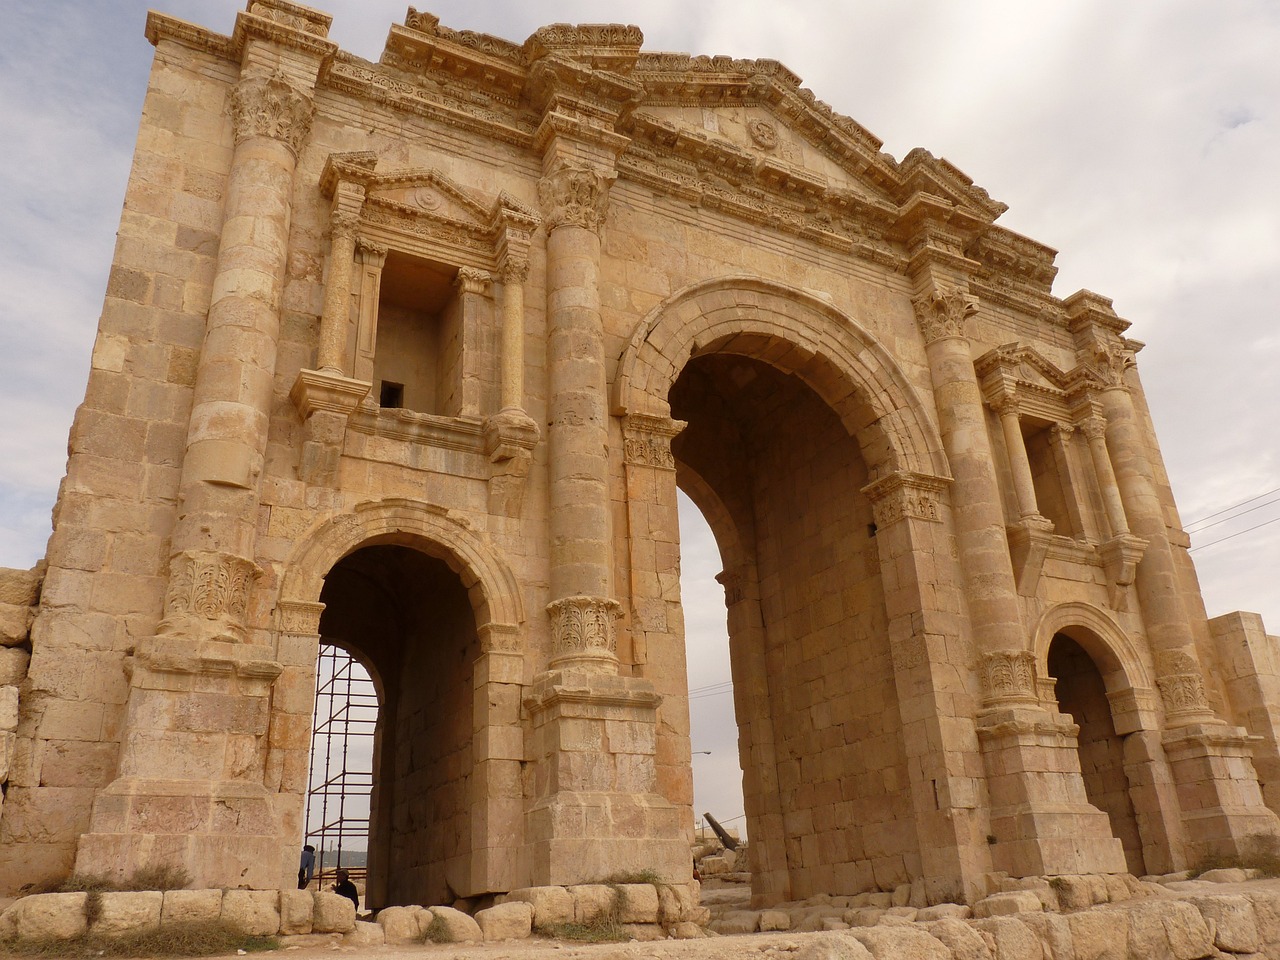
307,866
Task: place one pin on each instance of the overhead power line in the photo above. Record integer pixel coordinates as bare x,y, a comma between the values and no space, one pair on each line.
1235,516
1194,523
1232,536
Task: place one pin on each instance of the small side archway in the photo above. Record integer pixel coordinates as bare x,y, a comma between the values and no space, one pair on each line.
422,594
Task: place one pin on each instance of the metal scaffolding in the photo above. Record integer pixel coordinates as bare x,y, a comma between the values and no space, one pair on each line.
341,762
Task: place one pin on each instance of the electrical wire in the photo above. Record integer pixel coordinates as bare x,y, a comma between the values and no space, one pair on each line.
1232,536
1193,523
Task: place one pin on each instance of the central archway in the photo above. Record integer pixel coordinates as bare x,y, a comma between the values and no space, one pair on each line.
790,409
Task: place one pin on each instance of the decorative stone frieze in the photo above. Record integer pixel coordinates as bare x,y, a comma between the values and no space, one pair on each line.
1009,676
574,195
904,495
943,314
271,107
647,440
299,617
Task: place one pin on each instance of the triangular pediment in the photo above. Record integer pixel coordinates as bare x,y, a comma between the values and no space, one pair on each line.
428,193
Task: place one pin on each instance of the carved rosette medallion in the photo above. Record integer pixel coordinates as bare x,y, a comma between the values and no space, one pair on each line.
270,107
583,629
647,440
943,313
763,134
211,587
902,495
1009,676
575,196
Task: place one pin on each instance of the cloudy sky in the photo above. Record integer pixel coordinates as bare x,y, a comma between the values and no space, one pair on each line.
1142,140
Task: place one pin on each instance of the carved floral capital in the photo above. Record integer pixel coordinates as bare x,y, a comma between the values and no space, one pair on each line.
212,588
270,107
583,628
472,280
343,225
573,195
905,495
943,313
1009,676
647,440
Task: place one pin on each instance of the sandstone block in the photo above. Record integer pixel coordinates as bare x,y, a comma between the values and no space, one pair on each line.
592,900
675,903
737,921
1266,911
191,906
1099,934
902,895
1074,893
639,903
775,920
551,905
399,924
863,916
15,624
1007,904
1168,928
13,665
964,942
296,909
901,943
832,946
1009,938
255,913
457,926
21,588
50,916
944,911
686,930
332,913
643,932
1234,924
506,921
129,912
1225,875
1118,890
8,705
363,934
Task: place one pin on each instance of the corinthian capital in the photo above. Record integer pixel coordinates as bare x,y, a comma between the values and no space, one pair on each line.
574,195
942,313
270,107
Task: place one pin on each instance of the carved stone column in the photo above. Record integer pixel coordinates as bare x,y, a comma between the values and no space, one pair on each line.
1122,551
1060,443
336,318
1024,488
191,785
1216,784
511,434
1033,769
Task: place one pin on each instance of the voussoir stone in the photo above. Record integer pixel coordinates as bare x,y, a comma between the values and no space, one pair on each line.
512,920
333,913
255,913
129,912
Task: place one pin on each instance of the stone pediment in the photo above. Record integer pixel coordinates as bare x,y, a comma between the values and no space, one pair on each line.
1016,369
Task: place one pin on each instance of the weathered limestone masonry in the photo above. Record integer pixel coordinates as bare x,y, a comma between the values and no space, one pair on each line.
411,357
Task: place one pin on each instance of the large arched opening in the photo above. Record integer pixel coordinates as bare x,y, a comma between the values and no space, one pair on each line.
791,410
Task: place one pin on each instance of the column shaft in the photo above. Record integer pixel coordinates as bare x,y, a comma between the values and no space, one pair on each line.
337,294
1095,432
1023,485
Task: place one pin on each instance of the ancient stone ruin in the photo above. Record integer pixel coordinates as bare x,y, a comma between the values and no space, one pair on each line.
411,357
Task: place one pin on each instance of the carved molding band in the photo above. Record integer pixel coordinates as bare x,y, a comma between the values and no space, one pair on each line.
270,107
575,196
583,627
211,586
943,313
647,440
501,638
1009,676
905,495
299,617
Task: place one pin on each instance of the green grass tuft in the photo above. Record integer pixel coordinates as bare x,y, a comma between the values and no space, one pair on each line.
171,940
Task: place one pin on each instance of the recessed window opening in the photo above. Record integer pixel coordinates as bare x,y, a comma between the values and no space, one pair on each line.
419,334
391,395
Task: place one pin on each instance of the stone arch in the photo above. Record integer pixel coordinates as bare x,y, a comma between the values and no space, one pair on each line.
1115,655
492,587
797,333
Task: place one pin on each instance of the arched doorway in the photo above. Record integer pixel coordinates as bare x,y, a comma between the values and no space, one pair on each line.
1082,693
408,616
820,730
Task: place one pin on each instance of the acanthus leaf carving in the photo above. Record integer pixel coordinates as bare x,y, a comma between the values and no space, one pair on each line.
1009,676
584,627
271,107
574,195
943,313
902,495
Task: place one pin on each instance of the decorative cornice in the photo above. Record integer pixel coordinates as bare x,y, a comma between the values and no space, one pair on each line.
271,107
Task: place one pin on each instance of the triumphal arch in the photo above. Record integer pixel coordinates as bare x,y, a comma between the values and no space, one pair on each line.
412,357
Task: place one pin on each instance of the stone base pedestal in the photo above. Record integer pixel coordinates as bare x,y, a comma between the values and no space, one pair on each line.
599,813
225,834
1042,823
1218,791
